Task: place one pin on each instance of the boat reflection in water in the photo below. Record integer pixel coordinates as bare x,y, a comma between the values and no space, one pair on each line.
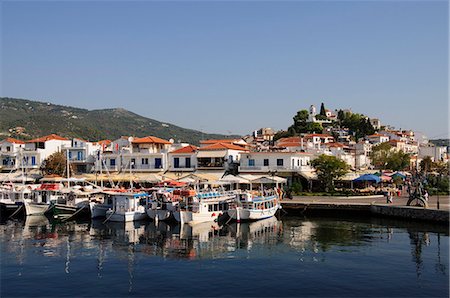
207,240
117,258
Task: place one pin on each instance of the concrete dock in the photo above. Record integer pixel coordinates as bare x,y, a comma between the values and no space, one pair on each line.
437,211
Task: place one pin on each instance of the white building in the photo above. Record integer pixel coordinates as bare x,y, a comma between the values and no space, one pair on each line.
265,162
377,138
147,154
437,153
183,159
82,154
362,151
10,150
219,156
37,150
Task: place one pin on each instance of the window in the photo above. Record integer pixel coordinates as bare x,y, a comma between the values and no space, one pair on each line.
188,162
176,162
280,162
158,163
251,162
230,158
133,163
266,162
112,162
8,148
33,160
70,154
145,161
79,155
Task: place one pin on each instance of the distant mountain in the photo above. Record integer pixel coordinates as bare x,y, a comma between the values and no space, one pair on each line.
25,119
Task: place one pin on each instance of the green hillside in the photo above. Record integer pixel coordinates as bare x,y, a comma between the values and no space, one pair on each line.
26,119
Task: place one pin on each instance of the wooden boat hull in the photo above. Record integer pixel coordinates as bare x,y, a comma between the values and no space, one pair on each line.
32,208
126,216
193,217
98,210
239,214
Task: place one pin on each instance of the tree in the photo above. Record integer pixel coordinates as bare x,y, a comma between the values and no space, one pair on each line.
55,164
328,169
383,157
426,165
301,124
322,110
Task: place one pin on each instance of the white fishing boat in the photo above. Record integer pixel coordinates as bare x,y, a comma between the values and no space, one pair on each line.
162,203
127,206
98,206
15,196
254,206
203,206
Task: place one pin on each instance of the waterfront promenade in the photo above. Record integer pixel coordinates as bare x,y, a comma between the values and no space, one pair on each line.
371,204
444,201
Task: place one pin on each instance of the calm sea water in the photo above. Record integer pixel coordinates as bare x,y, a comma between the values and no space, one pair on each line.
294,256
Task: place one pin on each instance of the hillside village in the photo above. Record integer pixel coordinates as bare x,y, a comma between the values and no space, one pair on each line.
286,154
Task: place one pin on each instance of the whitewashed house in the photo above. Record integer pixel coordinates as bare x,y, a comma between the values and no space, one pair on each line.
10,150
437,153
315,141
377,138
183,159
219,156
110,157
363,150
343,152
265,162
37,150
82,154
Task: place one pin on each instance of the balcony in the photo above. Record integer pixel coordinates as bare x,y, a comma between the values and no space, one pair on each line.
76,160
266,169
74,147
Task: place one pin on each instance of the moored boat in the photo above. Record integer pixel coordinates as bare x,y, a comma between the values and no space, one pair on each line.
203,206
127,206
251,206
162,203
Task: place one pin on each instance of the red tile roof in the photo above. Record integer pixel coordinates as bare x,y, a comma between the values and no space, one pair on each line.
47,138
150,140
106,142
186,149
289,144
376,135
290,140
222,146
337,145
14,141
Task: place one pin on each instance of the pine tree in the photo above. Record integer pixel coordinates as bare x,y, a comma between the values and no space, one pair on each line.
322,110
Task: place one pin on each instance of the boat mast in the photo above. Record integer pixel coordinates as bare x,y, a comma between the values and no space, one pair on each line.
67,166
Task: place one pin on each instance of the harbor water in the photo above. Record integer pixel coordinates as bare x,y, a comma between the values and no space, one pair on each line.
291,256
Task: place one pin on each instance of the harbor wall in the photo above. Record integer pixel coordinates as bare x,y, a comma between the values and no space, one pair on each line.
406,212
411,212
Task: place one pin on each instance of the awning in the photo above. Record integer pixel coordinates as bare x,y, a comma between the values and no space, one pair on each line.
211,154
234,179
310,175
151,178
9,178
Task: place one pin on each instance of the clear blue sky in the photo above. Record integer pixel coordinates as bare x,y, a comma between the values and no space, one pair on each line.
232,67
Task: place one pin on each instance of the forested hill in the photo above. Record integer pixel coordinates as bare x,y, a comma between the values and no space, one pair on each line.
26,119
